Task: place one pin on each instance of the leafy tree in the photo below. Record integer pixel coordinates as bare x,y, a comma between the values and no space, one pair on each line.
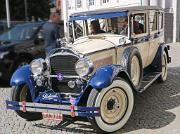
2,9
37,8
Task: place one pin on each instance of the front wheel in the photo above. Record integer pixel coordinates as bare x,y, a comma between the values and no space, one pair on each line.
116,104
22,93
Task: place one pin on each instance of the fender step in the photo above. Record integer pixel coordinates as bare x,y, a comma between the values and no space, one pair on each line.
148,80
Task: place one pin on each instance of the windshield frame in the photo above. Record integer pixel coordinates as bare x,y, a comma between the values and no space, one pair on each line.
103,15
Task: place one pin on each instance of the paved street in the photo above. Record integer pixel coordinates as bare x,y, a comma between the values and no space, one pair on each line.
157,110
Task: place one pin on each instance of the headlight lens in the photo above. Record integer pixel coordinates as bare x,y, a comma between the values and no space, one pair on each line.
84,67
38,66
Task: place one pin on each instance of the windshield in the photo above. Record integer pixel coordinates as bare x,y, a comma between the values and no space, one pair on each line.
115,25
20,32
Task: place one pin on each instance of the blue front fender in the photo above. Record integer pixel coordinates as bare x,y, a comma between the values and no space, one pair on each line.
104,76
22,76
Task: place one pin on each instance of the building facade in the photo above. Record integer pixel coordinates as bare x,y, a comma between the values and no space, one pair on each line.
172,10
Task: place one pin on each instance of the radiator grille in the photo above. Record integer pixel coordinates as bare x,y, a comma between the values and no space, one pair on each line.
63,64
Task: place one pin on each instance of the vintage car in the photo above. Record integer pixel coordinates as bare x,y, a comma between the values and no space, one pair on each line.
97,75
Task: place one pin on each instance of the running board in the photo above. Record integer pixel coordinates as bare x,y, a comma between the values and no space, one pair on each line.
148,80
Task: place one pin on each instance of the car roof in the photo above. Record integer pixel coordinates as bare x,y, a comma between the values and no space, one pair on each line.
110,12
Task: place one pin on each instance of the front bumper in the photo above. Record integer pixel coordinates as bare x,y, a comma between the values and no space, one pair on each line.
71,110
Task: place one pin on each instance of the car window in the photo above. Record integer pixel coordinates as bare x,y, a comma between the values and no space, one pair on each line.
161,20
139,23
153,23
116,25
20,32
78,28
120,25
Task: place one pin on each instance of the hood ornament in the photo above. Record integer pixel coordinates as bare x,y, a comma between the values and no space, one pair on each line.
60,76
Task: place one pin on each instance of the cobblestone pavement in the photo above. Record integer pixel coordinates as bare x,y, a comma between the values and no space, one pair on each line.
157,110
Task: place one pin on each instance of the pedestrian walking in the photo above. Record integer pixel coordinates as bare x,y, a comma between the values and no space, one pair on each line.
51,32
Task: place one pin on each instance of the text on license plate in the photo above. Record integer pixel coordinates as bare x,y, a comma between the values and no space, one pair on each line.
51,116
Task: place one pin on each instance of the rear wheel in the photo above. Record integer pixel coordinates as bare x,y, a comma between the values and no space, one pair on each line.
164,69
116,104
135,68
19,94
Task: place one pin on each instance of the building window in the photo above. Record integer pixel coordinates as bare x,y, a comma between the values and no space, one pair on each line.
91,2
79,3
105,1
69,6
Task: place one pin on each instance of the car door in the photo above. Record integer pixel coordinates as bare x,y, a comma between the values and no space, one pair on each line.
140,34
156,36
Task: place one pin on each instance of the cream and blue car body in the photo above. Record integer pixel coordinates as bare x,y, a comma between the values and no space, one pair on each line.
96,75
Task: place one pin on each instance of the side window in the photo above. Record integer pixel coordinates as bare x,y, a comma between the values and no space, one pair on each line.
161,20
78,29
153,23
96,26
119,25
139,23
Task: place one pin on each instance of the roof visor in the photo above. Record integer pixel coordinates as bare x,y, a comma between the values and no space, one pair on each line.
98,16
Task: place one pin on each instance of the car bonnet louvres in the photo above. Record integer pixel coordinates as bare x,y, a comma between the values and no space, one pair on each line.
63,64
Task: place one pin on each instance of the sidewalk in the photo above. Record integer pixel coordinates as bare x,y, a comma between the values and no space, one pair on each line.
174,54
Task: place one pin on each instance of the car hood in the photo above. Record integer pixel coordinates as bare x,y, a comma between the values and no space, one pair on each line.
87,45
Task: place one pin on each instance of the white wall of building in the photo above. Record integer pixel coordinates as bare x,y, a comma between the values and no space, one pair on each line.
98,4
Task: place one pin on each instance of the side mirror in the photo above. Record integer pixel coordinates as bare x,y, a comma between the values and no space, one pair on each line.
40,36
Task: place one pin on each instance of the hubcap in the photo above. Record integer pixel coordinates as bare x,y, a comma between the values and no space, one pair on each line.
135,70
113,105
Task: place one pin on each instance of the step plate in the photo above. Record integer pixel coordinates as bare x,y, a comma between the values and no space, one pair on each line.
149,80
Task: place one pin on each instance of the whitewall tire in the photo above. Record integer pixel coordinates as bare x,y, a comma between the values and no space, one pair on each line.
116,104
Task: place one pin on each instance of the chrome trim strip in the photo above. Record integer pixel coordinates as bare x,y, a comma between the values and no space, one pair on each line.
65,76
69,77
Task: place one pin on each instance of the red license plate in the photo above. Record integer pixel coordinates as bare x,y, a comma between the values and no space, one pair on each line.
51,116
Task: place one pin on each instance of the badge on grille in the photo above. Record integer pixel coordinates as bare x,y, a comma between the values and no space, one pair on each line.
60,77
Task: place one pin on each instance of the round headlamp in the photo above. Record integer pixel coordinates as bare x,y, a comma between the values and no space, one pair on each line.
38,66
84,67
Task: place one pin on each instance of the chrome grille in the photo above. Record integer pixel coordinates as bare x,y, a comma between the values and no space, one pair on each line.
64,64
